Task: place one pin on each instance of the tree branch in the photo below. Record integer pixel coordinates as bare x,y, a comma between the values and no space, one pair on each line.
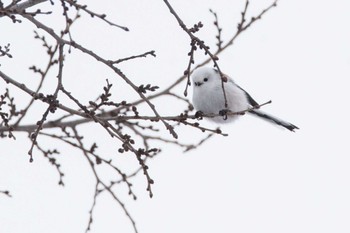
24,5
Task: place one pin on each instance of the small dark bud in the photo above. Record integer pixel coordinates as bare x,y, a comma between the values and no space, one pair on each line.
98,160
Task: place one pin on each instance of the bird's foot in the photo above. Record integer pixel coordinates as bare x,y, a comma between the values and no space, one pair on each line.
199,115
223,113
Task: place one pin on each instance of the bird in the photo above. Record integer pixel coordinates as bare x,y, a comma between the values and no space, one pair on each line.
208,98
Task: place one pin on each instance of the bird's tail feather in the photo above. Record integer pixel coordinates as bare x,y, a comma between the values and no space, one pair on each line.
273,119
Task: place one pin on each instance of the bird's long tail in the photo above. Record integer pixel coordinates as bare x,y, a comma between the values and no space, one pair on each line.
273,119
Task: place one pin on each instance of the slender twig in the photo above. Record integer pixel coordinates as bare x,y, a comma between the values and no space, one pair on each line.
201,44
106,62
188,70
102,160
100,182
35,95
43,76
52,101
216,23
48,154
93,14
91,211
7,193
5,51
116,133
152,53
26,4
218,51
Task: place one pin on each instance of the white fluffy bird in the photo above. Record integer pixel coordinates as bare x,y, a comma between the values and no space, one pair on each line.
208,98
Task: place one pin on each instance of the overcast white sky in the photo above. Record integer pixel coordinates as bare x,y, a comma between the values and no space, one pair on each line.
258,179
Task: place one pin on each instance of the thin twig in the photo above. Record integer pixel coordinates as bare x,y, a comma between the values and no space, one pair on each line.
100,182
152,53
93,14
106,62
7,193
201,44
52,101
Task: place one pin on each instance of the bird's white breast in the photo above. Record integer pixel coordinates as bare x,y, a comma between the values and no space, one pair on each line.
210,100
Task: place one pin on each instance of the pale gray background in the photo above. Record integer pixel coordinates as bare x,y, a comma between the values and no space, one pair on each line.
259,179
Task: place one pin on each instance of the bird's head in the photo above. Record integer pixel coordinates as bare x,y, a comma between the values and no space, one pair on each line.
205,76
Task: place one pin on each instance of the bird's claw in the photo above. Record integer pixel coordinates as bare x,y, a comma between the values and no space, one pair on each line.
199,115
223,113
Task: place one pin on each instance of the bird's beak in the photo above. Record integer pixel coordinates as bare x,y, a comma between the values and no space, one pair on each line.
198,84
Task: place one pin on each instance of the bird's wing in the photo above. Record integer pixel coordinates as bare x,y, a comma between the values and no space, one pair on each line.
250,99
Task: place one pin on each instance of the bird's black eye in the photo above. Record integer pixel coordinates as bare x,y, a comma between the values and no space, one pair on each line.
205,79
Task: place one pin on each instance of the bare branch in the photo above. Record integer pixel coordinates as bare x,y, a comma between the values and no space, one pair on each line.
106,62
152,53
201,45
26,4
93,14
100,182
216,23
52,61
122,120
53,104
5,51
